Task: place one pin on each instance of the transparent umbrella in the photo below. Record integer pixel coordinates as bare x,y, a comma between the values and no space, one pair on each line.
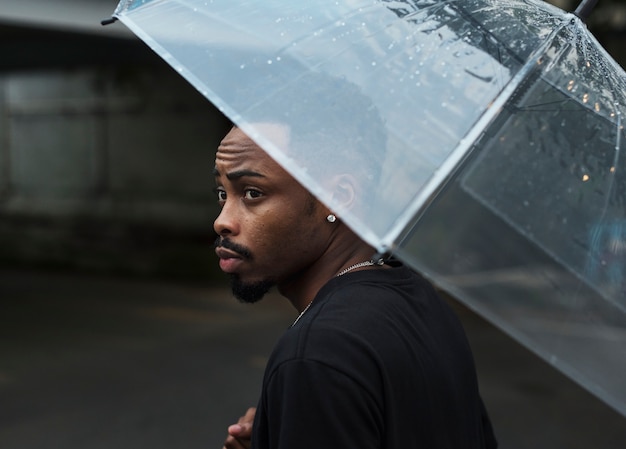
485,136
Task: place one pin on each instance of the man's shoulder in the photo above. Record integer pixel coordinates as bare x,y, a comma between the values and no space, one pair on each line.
361,313
378,288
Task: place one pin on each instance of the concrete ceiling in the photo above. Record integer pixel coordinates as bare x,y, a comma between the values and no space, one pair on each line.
81,16
85,15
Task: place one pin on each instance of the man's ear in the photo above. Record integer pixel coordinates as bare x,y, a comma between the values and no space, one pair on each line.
344,190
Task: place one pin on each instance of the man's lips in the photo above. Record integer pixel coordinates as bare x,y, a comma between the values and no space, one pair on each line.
229,260
224,253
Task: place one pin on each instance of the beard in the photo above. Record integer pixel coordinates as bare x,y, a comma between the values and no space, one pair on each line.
245,292
249,292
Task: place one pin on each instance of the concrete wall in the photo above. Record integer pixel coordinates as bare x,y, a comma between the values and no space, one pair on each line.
105,156
106,169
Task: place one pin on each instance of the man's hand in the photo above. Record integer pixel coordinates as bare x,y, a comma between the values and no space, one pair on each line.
240,434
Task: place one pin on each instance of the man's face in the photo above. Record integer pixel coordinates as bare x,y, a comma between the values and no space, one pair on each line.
270,228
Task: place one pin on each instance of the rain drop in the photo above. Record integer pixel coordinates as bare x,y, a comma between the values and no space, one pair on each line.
269,61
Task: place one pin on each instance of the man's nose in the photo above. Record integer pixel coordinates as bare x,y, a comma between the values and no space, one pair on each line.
226,222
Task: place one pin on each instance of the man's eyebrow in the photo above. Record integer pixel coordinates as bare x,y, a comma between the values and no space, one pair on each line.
239,174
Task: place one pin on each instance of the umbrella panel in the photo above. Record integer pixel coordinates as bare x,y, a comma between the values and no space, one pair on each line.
429,69
541,250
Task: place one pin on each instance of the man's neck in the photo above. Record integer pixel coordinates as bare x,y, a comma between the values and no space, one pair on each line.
344,251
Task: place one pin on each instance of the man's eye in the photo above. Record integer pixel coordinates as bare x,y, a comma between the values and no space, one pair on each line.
221,195
251,194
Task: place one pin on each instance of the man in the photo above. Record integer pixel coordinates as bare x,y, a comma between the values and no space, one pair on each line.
375,359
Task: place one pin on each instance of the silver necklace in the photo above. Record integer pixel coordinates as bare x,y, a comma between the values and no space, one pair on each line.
301,313
366,263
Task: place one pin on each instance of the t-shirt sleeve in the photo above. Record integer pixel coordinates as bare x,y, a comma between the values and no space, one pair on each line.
309,404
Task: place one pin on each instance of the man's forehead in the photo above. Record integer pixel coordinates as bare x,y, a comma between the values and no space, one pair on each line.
237,147
239,153
238,140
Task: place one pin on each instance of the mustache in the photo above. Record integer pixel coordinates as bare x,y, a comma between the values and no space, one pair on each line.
222,242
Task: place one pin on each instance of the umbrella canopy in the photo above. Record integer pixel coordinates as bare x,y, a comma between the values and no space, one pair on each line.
485,136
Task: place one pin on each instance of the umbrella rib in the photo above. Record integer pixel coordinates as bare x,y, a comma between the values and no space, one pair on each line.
538,106
470,18
447,168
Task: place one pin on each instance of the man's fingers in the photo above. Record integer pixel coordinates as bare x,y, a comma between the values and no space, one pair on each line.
243,428
239,434
237,429
233,443
249,416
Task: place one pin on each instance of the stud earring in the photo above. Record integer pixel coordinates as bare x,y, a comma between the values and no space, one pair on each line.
331,218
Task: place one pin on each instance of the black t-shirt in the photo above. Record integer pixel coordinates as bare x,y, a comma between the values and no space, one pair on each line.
378,361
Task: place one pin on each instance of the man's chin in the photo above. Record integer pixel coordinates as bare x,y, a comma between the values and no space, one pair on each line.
249,292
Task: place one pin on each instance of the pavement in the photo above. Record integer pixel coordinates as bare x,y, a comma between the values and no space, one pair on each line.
93,362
